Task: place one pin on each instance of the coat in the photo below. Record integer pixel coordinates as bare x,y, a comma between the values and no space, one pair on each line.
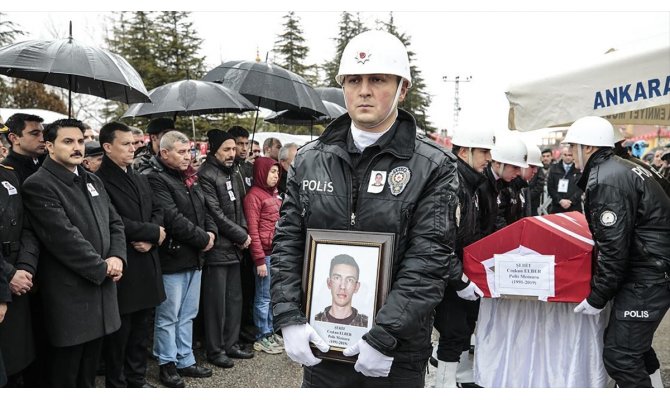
419,208
185,216
20,250
73,217
218,182
261,208
142,284
24,166
5,297
628,214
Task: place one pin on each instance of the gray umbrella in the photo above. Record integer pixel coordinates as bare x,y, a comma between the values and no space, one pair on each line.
75,66
268,86
190,97
332,94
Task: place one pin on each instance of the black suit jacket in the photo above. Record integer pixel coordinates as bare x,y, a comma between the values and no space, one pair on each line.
142,284
76,222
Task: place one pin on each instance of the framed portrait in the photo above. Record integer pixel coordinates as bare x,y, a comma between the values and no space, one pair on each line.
346,278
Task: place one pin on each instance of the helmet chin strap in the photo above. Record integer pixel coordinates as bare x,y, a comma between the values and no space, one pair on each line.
580,157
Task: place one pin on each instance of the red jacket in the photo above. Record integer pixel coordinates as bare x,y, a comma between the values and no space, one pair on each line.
261,209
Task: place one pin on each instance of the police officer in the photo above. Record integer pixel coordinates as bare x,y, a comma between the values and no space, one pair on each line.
629,216
456,315
20,250
417,203
508,157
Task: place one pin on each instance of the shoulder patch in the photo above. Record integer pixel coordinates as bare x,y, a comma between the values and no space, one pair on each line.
608,218
7,167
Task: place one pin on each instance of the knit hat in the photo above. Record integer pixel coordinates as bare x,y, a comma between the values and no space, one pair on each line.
216,137
159,125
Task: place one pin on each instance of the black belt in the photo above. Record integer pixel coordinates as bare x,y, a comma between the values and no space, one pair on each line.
10,247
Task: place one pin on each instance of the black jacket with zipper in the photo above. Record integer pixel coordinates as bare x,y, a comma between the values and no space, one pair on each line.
328,188
629,217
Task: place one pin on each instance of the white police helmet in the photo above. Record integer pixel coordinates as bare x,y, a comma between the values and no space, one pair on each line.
374,52
591,131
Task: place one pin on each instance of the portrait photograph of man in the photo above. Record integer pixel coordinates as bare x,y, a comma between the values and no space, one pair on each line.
343,292
343,284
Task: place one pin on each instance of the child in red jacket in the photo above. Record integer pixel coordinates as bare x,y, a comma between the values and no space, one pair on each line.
261,208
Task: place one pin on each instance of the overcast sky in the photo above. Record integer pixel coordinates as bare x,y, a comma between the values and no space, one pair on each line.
495,48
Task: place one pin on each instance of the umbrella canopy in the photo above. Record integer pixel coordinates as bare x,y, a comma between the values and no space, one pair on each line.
269,86
627,87
190,97
72,65
332,94
297,118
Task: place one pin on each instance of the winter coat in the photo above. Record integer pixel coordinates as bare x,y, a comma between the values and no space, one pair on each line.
75,221
261,208
142,284
629,217
417,203
223,188
185,217
20,250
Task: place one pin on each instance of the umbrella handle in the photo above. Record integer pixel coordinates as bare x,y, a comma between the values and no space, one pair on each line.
253,134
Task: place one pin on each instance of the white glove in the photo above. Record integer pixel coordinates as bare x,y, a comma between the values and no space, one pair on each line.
471,292
370,361
585,308
296,344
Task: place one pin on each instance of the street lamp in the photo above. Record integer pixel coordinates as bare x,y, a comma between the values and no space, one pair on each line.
457,80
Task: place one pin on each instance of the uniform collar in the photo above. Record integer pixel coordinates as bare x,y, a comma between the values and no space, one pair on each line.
399,140
596,158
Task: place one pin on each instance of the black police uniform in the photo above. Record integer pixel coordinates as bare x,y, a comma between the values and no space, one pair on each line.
629,216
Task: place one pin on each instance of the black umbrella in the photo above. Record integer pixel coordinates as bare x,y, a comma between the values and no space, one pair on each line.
190,97
75,66
269,86
297,118
332,94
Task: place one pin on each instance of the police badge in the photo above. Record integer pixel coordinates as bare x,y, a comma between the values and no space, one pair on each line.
398,179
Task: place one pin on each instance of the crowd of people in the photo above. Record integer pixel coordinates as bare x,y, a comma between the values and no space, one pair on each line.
127,236
115,251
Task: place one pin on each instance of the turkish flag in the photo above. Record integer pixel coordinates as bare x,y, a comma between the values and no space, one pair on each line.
566,236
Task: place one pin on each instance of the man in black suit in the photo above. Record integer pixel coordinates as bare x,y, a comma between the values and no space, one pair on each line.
141,288
562,184
83,255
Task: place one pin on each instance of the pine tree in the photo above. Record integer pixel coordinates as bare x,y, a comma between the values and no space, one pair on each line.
29,94
291,51
417,100
178,47
163,48
349,27
8,33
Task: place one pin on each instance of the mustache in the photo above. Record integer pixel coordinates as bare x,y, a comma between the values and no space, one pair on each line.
76,153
